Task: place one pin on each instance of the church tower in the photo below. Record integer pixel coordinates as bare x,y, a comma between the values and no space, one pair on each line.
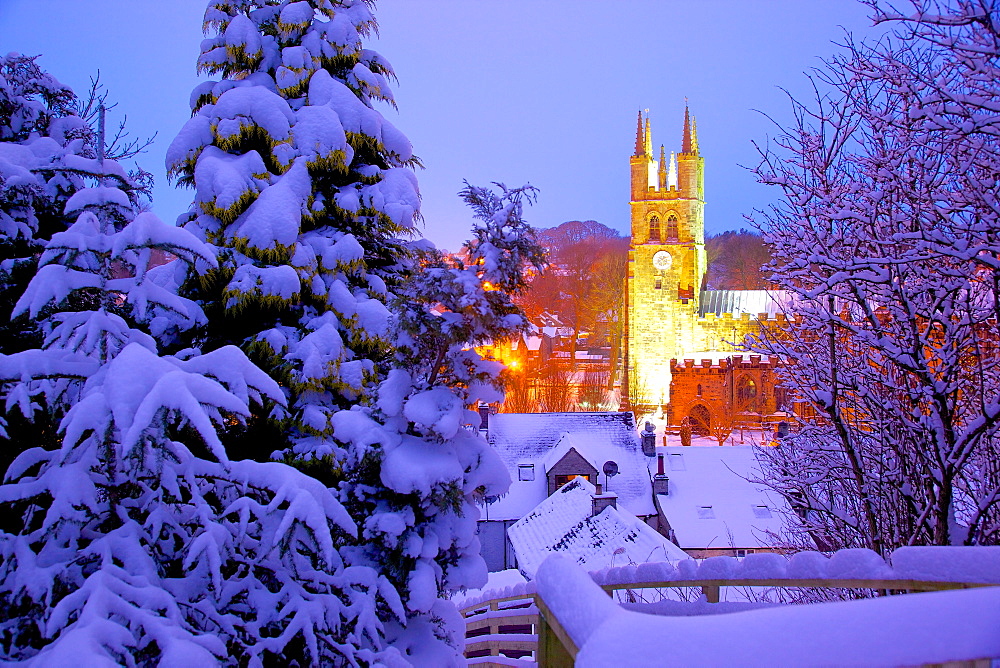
666,263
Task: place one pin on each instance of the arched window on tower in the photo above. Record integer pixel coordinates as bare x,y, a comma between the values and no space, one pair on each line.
654,228
671,226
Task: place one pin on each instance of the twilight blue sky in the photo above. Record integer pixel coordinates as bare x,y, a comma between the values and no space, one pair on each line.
539,91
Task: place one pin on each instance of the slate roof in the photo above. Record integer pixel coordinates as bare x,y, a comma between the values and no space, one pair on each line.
563,523
738,302
712,504
530,438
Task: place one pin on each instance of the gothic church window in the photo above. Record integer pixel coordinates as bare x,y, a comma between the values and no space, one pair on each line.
701,420
672,227
654,228
746,395
659,284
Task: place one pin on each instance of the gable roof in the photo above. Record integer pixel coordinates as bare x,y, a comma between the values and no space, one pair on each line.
542,439
563,446
563,523
712,503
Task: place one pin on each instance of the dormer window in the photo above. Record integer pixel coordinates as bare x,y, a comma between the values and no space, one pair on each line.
525,472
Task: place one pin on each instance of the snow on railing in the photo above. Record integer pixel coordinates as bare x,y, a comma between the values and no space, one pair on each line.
972,565
580,623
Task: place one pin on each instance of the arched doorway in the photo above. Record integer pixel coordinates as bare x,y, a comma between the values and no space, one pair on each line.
701,420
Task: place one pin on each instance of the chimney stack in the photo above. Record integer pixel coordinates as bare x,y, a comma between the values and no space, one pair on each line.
649,440
601,501
661,483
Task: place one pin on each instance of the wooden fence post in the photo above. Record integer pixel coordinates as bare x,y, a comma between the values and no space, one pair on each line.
552,653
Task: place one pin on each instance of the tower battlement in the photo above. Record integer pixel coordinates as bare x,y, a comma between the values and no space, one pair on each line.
707,366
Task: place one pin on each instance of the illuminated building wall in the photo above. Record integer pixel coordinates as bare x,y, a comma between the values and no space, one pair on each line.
666,268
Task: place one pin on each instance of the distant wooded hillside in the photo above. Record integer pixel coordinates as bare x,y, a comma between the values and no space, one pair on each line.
735,259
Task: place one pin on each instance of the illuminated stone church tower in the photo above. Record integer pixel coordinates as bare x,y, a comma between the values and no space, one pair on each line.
667,261
682,342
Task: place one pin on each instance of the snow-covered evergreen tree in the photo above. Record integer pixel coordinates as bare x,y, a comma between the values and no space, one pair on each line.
418,490
141,541
47,153
43,152
304,189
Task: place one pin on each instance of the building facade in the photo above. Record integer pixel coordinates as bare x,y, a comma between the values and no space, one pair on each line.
669,314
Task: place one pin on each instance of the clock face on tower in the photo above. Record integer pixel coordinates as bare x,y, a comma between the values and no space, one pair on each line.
662,260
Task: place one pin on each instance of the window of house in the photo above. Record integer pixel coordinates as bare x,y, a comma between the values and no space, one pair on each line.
654,228
672,227
525,471
563,479
659,284
762,512
743,553
706,513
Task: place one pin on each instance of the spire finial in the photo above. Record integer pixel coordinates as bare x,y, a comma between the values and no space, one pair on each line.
640,141
648,144
686,141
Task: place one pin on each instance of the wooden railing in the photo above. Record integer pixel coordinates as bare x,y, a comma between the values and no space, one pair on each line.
558,650
499,631
520,627
584,633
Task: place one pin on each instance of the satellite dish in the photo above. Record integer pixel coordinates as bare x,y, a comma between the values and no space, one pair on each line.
610,468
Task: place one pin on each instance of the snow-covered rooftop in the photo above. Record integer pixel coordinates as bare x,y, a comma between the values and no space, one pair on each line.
738,302
563,523
712,504
530,439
